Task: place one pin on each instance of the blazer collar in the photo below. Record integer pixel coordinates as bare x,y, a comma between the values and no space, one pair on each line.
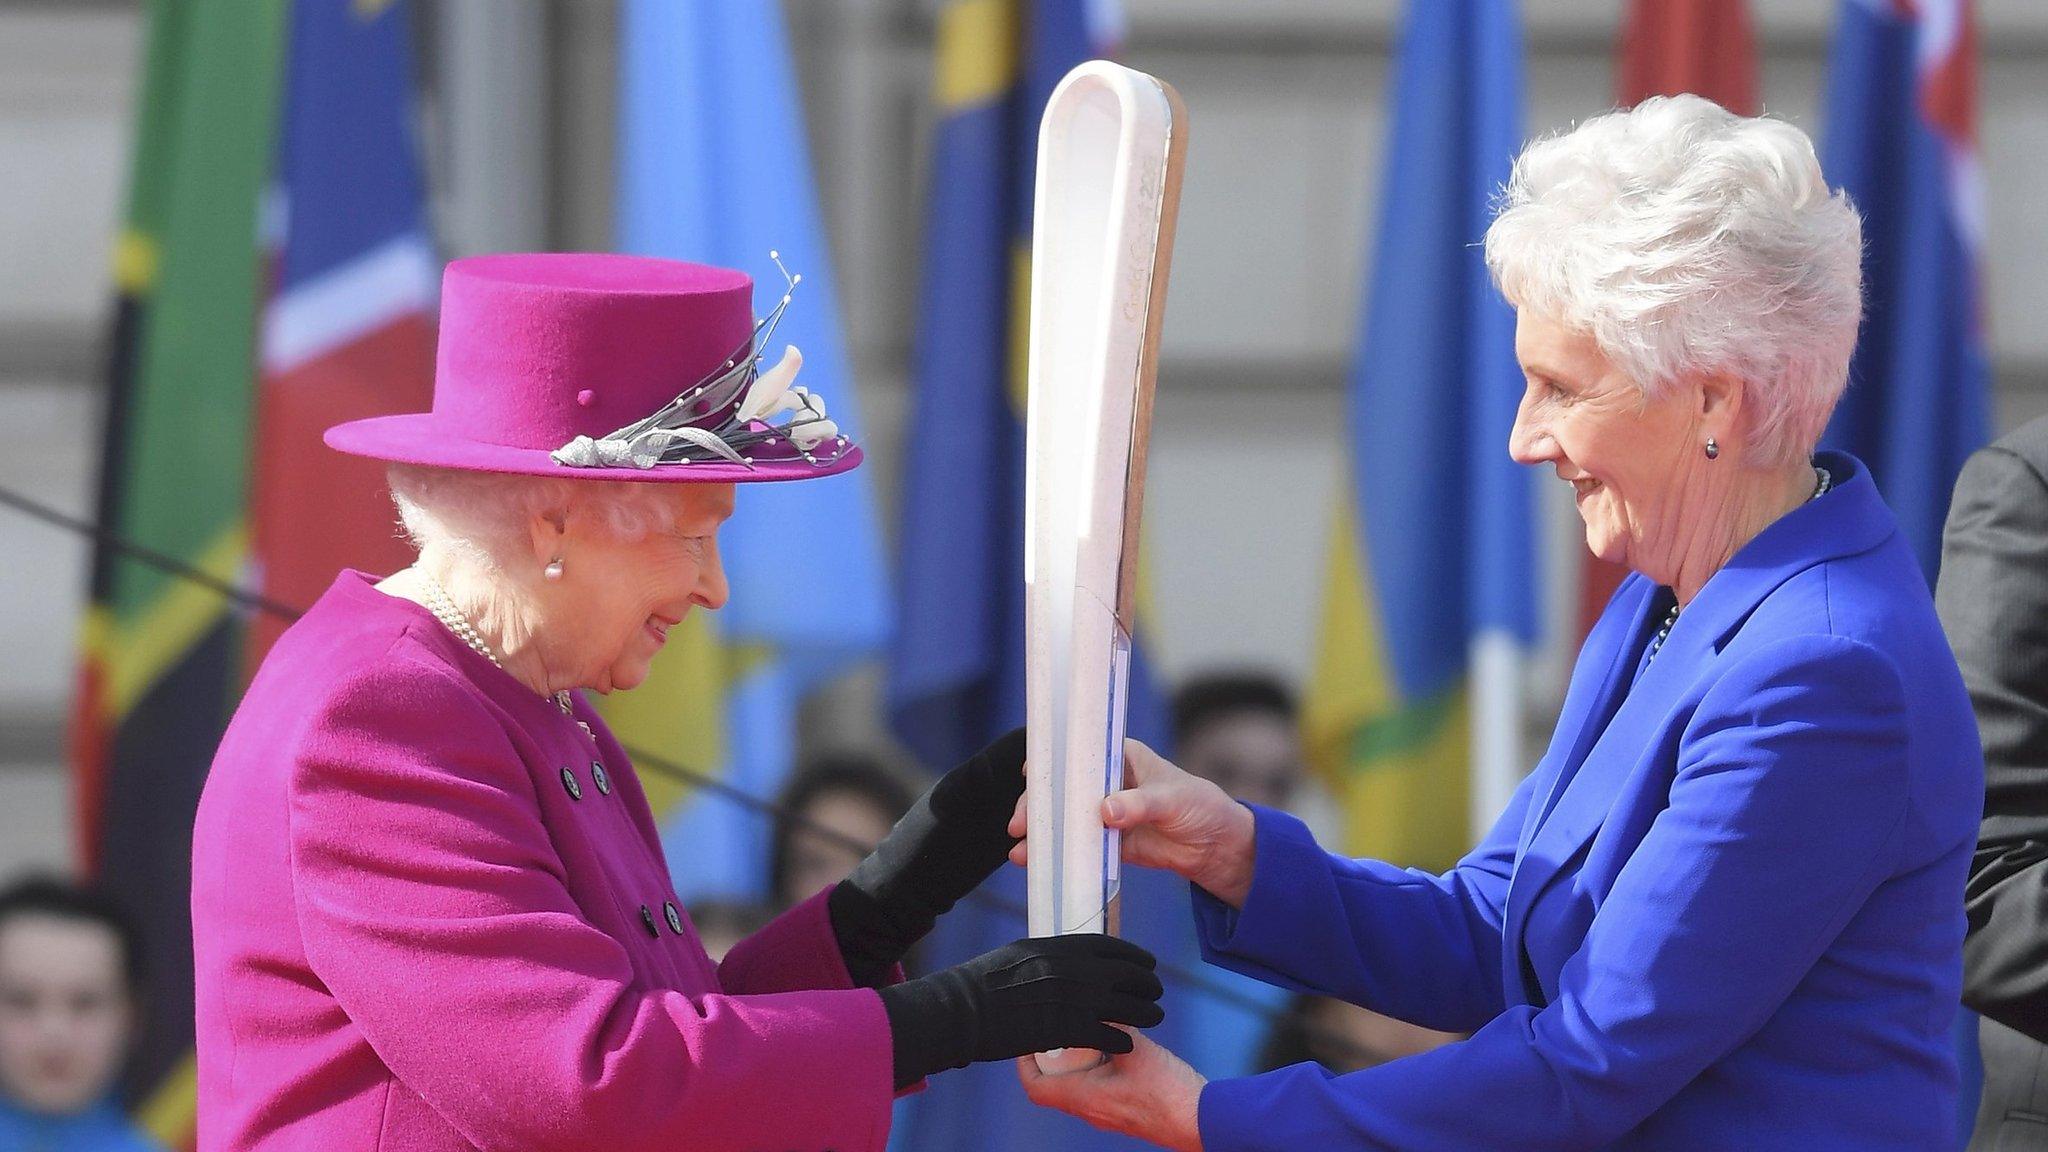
1850,519
1610,723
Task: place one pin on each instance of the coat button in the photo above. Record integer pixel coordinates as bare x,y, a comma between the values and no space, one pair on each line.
675,918
647,918
600,778
569,783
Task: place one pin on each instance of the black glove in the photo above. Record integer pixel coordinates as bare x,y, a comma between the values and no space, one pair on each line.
1030,996
952,839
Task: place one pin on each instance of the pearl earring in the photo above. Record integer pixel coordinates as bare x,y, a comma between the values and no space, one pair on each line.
554,569
1713,449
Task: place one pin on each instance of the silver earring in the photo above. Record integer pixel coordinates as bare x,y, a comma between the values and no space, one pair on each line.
554,569
1713,449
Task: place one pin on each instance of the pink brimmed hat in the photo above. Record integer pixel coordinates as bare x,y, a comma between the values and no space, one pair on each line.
599,367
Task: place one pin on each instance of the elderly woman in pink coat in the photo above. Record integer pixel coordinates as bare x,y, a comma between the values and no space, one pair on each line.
429,905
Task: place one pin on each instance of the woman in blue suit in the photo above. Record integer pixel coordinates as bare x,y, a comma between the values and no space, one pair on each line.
1725,910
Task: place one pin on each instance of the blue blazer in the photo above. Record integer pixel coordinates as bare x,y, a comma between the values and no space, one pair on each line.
1725,911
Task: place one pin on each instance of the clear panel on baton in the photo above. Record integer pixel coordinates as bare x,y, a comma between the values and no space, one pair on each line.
1113,778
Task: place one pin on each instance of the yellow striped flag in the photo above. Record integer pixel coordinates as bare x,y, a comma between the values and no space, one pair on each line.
1430,592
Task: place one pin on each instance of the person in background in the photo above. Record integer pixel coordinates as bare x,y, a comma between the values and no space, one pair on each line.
1240,731
70,967
1993,600
833,811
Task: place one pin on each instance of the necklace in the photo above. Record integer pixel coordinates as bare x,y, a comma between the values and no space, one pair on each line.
1823,481
444,609
1657,641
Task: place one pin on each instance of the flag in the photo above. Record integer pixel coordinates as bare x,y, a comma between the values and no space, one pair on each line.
1430,568
713,168
160,660
1901,140
956,671
1705,47
348,331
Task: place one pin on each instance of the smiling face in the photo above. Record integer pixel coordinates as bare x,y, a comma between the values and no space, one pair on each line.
1629,460
617,599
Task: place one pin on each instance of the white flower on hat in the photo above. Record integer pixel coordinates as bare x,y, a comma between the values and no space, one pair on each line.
742,401
810,428
770,392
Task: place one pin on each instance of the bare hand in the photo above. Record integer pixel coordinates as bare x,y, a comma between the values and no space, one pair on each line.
1149,1093
1172,820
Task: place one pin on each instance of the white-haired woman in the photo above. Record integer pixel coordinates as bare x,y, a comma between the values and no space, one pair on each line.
1725,910
429,907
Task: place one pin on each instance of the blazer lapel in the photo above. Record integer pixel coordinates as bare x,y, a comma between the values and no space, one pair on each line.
1617,751
1599,682
1589,704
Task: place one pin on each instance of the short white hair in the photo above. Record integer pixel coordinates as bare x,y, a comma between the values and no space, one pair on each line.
483,516
1688,240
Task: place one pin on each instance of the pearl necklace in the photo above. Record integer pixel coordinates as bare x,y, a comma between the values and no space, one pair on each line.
1823,481
444,609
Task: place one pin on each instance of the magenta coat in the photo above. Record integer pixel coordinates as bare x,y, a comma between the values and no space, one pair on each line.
430,912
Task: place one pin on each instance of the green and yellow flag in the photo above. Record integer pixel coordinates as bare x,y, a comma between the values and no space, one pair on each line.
161,661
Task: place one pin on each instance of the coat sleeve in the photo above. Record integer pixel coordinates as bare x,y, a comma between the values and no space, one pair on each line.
1788,808
435,911
1417,947
1993,600
795,951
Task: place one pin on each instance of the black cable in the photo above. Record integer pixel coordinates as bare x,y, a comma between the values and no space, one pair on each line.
167,564
642,758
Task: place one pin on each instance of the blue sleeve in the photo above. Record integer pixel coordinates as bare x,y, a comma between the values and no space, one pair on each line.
1420,948
1788,807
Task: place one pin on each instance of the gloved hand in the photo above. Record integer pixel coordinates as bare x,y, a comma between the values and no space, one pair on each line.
952,839
1030,996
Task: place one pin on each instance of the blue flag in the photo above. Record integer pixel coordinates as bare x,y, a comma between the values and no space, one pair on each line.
1902,141
956,674
956,671
1432,550
713,168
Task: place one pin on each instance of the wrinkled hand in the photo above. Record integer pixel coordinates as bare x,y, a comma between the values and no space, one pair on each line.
1148,1093
1029,996
1172,820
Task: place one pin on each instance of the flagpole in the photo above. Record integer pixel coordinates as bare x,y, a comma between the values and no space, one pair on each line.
1496,727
